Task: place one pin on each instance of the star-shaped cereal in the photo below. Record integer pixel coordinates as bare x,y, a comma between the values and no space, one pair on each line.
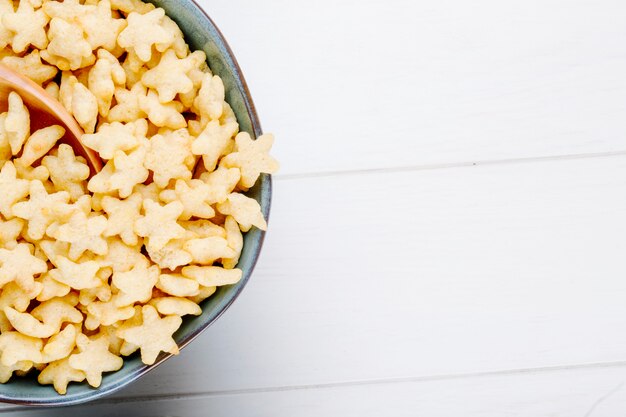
153,335
210,100
172,255
101,182
213,142
19,265
52,288
129,171
60,374
245,210
203,228
177,285
135,285
94,358
6,372
41,209
83,233
60,345
13,189
162,115
143,32
57,311
195,75
194,194
12,295
221,183
177,306
179,45
169,157
52,249
84,107
207,250
212,276
28,26
68,42
101,29
103,78
128,6
31,66
17,123
16,347
159,223
68,10
6,7
169,77
121,257
28,325
252,158
113,137
67,172
122,216
31,173
106,314
10,231
128,108
39,143
79,276
235,242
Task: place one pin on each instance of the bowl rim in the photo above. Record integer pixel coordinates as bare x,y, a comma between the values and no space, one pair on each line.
98,393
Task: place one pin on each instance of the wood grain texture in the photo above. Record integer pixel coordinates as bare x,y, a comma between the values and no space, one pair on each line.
372,84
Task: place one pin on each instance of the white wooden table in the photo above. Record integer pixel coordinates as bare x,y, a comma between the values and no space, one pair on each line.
448,235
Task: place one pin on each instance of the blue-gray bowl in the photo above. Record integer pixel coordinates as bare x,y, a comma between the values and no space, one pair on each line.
201,34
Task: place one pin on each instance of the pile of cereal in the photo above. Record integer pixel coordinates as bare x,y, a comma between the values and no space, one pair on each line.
92,269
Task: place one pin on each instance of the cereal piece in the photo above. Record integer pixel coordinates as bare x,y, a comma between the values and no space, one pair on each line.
67,172
235,242
212,276
203,228
221,182
159,223
39,143
172,255
245,210
163,115
101,182
68,42
13,189
213,142
60,374
31,66
106,314
136,285
194,195
84,107
122,216
60,345
57,311
113,137
207,250
6,7
101,28
252,158
178,45
128,108
177,306
28,325
115,343
7,371
16,347
83,233
210,100
79,276
121,257
52,288
30,173
205,292
144,31
128,6
101,85
17,123
52,249
177,285
169,157
10,231
12,295
19,265
89,295
153,335
52,88
28,27
68,10
169,77
148,192
94,358
129,171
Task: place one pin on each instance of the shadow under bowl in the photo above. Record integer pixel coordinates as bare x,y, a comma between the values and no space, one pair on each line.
201,34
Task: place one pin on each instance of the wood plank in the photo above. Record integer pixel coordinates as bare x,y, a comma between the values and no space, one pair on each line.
368,84
596,392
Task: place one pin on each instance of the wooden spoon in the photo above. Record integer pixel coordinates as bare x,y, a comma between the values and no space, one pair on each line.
45,111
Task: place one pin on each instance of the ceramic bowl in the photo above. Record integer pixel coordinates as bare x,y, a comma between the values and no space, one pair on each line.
201,34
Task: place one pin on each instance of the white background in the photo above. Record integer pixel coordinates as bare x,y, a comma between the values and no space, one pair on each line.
448,234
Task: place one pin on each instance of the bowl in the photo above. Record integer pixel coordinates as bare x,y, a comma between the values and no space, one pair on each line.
201,34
